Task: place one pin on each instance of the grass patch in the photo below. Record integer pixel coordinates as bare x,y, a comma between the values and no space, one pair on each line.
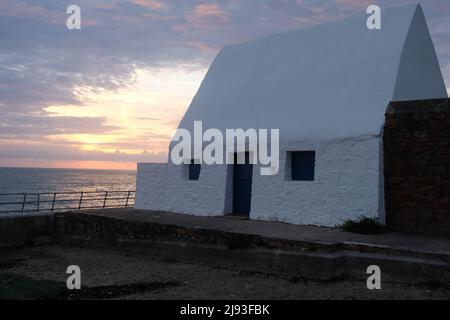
364,225
19,287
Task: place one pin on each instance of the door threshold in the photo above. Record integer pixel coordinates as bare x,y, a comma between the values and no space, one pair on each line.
239,216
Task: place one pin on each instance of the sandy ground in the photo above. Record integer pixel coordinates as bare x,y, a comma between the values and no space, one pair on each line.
163,279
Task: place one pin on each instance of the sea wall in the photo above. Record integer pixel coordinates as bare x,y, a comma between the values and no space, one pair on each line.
417,166
25,229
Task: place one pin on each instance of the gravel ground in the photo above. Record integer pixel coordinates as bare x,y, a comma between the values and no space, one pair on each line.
109,274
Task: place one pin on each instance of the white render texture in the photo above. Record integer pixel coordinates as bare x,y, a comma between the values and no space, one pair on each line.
326,88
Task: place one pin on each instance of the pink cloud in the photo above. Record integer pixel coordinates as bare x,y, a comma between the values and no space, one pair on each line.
150,4
355,3
208,11
204,16
203,46
25,10
105,5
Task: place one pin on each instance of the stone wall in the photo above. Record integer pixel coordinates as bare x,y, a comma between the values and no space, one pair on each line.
24,229
417,166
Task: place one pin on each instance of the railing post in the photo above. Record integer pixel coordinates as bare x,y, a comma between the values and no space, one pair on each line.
54,199
128,197
81,199
104,201
23,202
38,201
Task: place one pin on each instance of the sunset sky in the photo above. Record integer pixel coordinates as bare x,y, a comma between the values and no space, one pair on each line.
111,94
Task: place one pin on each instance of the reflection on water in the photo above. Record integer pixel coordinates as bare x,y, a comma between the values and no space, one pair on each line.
32,180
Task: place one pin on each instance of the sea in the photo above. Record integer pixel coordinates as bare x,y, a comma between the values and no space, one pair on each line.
36,180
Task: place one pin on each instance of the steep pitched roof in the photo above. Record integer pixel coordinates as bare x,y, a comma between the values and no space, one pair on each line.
327,81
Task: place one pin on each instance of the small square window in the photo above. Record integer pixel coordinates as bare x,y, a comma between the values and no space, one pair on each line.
302,165
194,170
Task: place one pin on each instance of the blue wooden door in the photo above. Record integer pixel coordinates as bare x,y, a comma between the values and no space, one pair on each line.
242,186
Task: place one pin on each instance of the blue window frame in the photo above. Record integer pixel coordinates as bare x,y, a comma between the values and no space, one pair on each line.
302,165
194,170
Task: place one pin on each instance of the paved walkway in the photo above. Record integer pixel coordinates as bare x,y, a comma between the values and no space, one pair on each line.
277,230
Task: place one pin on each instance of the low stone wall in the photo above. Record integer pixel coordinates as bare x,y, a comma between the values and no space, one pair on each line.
417,166
24,229
211,245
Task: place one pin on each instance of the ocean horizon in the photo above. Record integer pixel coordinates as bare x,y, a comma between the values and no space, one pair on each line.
39,180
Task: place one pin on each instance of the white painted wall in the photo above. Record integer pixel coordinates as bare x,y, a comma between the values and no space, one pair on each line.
151,186
205,197
346,186
166,187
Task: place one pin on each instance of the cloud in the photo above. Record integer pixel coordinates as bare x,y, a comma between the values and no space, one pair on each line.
150,4
35,53
36,125
203,46
206,12
358,4
22,9
52,152
205,17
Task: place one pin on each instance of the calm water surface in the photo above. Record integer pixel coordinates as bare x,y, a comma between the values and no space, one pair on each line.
32,180
20,180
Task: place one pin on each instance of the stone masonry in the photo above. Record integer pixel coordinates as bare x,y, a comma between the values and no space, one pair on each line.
417,166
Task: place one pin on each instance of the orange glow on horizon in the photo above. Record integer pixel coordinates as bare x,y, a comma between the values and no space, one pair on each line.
142,116
96,165
136,122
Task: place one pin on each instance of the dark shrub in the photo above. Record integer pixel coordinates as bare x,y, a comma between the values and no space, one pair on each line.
365,225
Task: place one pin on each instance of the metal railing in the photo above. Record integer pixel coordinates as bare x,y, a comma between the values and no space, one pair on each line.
64,201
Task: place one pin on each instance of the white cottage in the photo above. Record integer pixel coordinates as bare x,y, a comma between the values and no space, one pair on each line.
326,89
